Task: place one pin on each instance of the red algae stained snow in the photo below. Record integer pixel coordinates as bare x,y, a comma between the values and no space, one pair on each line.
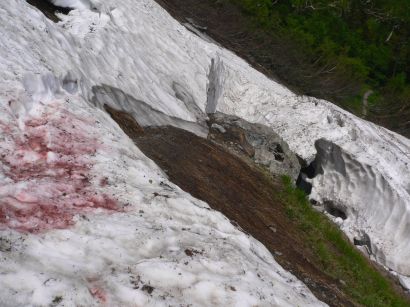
48,165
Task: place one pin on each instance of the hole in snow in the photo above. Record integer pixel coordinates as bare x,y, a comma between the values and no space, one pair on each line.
363,239
303,184
307,172
49,9
334,211
310,170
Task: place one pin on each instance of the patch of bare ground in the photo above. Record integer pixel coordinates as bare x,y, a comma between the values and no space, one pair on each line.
234,185
245,194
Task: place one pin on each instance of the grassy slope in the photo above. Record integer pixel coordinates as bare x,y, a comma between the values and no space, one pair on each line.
336,255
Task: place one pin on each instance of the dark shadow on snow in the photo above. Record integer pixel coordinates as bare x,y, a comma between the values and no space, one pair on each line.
49,9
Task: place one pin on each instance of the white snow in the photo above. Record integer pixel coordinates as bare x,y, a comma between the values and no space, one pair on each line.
77,4
107,239
365,169
85,217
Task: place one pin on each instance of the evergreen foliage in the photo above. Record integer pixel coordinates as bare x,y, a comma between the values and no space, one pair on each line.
350,46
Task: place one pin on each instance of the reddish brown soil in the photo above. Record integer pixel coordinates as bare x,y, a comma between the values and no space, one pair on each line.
241,192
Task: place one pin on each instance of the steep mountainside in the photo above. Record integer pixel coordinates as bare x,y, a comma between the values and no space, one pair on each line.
86,218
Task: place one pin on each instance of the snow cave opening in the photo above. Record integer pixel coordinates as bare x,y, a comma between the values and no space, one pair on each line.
49,9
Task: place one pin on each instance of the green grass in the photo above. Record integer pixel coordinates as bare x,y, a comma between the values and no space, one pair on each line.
336,255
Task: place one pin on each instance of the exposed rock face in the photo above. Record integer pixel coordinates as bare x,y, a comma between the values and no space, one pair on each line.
255,141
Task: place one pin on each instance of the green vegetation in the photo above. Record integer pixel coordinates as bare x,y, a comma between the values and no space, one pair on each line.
336,255
341,48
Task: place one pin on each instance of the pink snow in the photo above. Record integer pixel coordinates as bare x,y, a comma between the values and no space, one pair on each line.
48,163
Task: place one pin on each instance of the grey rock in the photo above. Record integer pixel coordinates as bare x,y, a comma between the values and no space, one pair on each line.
258,142
218,127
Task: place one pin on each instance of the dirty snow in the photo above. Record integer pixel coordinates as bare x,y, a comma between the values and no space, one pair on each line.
127,246
85,217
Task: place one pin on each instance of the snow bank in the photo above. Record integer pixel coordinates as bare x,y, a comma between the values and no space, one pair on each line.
85,217
135,46
358,190
364,168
